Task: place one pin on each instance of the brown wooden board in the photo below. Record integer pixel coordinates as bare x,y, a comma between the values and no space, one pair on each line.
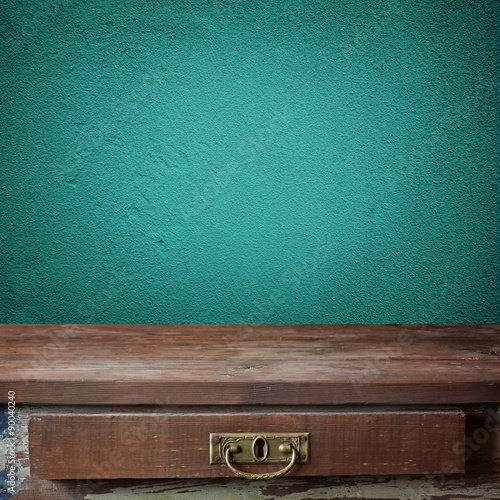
250,364
481,478
162,445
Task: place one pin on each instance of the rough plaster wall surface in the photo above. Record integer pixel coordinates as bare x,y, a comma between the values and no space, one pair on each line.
228,161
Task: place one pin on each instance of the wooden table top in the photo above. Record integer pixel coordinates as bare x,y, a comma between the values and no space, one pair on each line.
250,364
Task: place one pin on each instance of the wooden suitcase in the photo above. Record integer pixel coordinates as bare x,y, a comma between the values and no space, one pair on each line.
256,401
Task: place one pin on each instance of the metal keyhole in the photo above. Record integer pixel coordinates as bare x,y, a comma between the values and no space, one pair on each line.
260,449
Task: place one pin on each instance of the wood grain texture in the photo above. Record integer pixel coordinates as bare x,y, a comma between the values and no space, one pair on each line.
250,364
481,478
145,445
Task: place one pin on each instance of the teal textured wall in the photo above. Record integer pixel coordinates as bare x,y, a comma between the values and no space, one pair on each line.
237,161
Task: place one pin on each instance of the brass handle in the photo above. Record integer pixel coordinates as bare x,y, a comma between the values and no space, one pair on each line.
267,475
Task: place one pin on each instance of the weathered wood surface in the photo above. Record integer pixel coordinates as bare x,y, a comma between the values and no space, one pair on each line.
480,481
161,445
250,364
472,487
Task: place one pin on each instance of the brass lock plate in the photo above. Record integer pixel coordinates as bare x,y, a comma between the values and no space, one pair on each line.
258,448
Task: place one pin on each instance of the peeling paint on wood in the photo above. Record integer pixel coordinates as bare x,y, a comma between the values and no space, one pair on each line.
404,487
21,448
297,489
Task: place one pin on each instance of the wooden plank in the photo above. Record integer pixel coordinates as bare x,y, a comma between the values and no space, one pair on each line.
481,478
146,445
250,364
340,341
145,391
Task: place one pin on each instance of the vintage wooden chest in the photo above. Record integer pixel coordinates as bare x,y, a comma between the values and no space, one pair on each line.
257,401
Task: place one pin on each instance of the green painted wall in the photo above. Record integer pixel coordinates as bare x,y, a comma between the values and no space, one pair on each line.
237,161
